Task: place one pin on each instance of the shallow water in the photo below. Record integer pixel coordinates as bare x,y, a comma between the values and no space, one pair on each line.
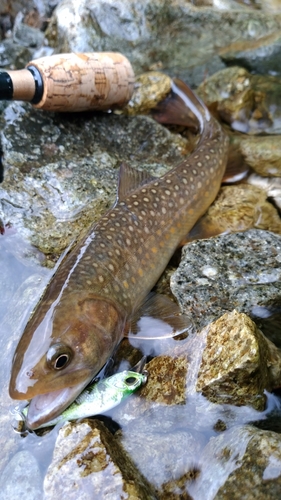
195,424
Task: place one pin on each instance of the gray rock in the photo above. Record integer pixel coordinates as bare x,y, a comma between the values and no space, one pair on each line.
25,35
156,34
263,58
14,55
235,271
68,174
88,463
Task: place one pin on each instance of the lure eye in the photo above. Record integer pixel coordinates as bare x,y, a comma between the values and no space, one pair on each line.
59,356
130,380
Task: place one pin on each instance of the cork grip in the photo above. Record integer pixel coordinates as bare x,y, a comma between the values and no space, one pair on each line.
78,82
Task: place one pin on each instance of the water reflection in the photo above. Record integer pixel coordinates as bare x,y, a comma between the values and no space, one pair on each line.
22,281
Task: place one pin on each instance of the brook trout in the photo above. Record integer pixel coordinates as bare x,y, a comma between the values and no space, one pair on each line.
100,285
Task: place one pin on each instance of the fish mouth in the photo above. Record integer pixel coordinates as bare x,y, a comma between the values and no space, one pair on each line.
46,407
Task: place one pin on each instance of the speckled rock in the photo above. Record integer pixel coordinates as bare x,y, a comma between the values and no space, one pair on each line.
236,361
65,170
167,380
242,456
233,271
156,34
150,88
88,460
263,154
21,478
12,7
249,103
241,207
230,362
241,461
14,55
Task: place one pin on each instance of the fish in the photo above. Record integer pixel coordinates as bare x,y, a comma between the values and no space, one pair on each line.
103,283
97,398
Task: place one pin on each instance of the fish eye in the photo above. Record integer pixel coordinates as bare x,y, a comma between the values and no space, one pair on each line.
130,380
59,356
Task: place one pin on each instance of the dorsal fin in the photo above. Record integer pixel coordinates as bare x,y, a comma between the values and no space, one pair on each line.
130,179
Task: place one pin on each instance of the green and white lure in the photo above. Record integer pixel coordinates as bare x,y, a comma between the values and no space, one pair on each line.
97,398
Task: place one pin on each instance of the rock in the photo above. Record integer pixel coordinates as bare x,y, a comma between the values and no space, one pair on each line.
167,380
44,7
263,155
249,103
240,208
15,6
236,361
156,35
271,185
13,55
242,459
21,478
150,88
68,175
233,271
229,362
88,460
260,56
25,35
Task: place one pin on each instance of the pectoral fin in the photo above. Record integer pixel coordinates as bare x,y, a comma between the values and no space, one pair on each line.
205,228
159,318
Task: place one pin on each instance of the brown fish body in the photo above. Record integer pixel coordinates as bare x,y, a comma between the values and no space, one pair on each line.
98,287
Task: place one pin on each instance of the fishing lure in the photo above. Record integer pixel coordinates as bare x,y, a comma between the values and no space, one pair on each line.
97,398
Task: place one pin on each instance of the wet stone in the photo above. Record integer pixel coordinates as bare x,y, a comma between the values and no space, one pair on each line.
234,363
14,55
150,89
260,56
242,459
244,206
88,460
246,274
157,35
272,187
166,380
259,469
58,182
263,155
249,103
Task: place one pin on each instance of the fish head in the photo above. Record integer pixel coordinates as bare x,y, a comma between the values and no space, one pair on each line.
61,350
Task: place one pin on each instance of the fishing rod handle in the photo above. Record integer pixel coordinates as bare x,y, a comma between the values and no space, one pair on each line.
73,82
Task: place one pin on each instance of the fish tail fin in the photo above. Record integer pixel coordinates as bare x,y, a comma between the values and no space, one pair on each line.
182,107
